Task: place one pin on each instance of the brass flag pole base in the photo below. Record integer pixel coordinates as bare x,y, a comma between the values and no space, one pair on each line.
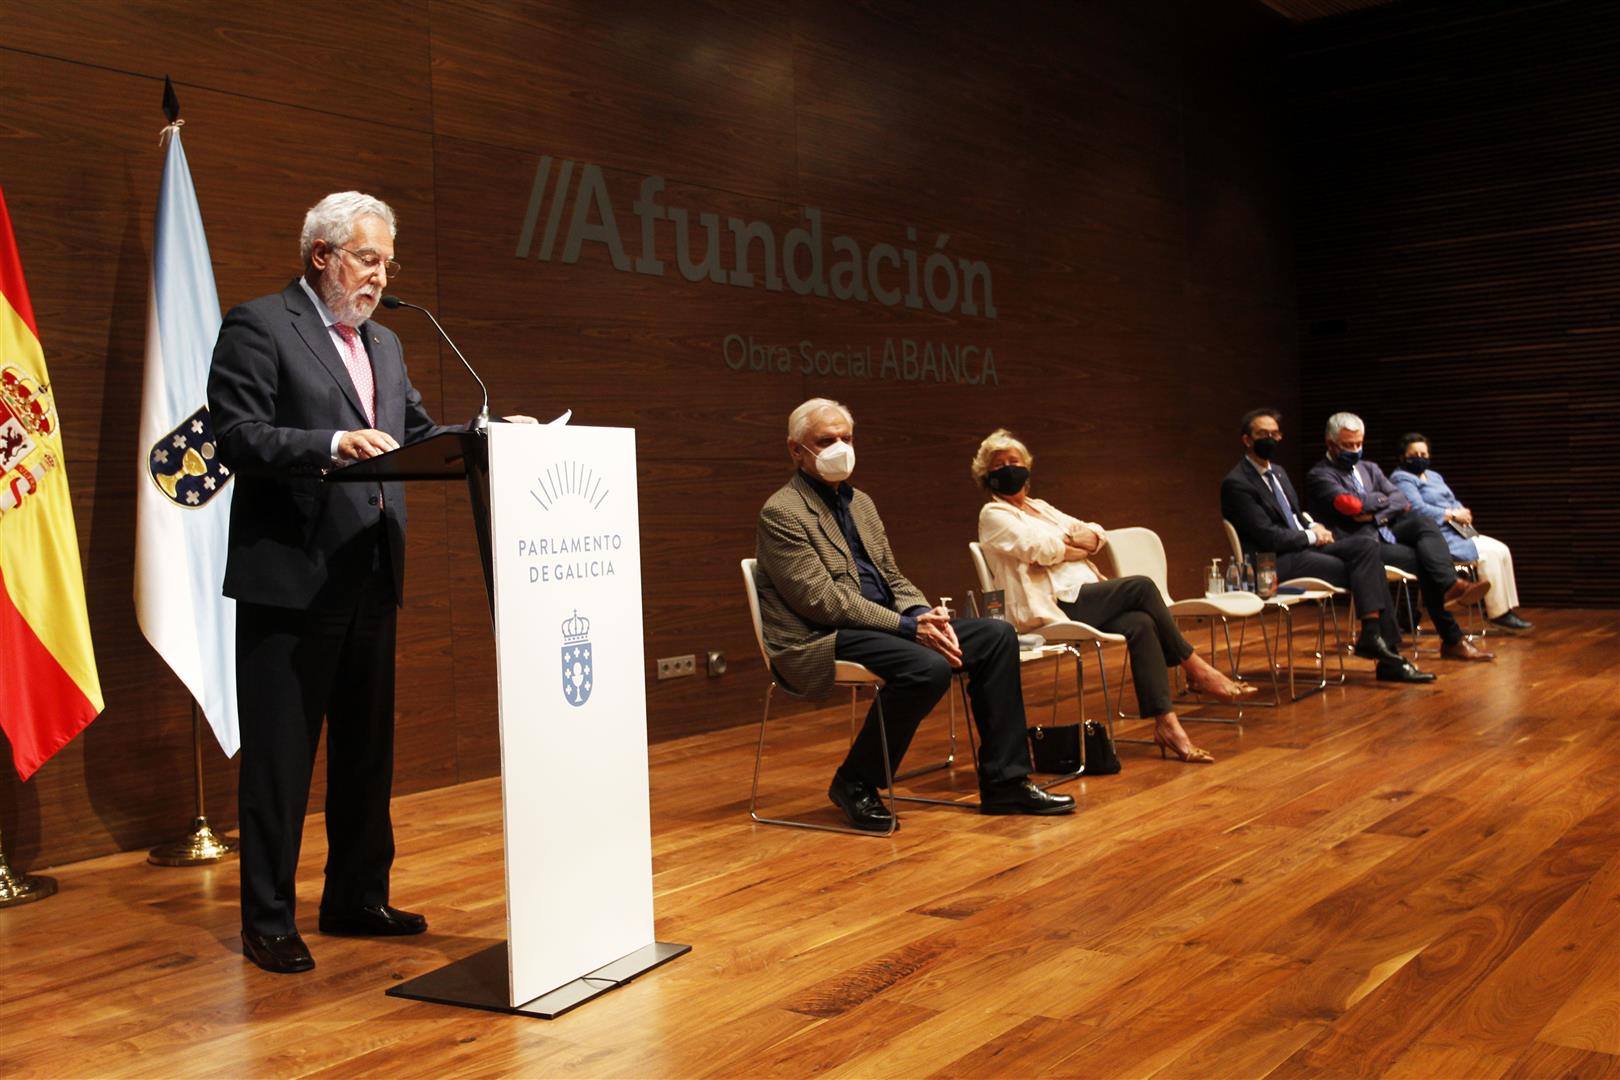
201,845
16,891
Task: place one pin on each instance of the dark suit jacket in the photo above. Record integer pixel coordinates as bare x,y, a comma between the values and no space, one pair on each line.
277,391
1327,480
1247,502
809,587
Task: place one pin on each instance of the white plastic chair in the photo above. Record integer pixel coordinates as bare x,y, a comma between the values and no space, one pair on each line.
1135,549
1062,637
846,674
1315,591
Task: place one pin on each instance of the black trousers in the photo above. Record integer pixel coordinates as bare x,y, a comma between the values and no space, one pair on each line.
915,677
294,667
1355,563
1132,606
1421,549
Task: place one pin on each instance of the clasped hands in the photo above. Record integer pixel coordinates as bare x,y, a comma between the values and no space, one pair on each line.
369,442
934,631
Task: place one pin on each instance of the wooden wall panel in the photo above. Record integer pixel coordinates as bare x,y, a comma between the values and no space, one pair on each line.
1457,275
1116,165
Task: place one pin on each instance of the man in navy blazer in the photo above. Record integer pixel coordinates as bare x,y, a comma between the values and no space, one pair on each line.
303,381
1354,498
1259,501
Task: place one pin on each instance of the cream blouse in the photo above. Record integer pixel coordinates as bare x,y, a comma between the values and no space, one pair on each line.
1023,547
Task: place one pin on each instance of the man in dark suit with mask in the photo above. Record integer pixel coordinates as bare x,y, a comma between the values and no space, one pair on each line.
1259,500
303,381
1354,498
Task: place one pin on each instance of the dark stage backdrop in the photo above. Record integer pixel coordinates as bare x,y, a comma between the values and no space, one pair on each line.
1070,219
1459,261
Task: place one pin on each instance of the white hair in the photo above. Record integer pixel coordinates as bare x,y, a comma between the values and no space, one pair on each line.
999,439
333,219
1343,421
799,419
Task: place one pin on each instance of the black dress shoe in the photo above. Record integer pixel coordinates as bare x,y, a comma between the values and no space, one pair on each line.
1512,620
1021,796
1403,671
1374,647
284,954
377,921
861,804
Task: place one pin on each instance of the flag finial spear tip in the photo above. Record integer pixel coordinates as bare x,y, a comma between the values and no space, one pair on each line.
171,104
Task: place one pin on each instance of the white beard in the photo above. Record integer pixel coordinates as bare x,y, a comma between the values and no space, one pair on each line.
350,309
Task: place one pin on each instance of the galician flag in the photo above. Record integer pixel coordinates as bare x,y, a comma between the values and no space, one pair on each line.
182,492
49,689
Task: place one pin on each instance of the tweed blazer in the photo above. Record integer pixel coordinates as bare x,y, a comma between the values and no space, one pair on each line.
809,588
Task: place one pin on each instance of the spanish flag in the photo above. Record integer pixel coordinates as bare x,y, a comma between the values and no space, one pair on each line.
49,690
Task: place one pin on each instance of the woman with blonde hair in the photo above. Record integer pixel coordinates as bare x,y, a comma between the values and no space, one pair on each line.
1040,557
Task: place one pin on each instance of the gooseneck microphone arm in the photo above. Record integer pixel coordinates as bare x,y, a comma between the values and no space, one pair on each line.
481,421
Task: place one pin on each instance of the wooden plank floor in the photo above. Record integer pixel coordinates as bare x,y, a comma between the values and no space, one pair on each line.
1375,881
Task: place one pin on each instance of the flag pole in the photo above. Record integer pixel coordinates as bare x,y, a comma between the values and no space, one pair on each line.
202,844
19,889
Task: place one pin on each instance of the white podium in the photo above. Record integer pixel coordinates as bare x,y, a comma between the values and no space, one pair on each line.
558,527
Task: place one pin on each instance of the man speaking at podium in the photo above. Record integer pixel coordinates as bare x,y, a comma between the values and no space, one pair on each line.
302,381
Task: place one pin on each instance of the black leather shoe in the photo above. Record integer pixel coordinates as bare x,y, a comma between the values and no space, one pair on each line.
1512,620
1021,796
1374,647
861,804
378,921
1403,671
284,954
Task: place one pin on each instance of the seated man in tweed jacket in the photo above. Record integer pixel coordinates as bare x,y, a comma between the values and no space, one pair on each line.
829,590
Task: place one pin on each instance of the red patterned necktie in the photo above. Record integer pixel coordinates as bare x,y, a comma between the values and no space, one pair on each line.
359,367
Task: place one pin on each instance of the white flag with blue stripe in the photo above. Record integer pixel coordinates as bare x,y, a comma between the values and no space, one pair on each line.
182,492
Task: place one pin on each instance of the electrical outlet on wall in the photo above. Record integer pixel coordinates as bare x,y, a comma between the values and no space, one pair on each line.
676,667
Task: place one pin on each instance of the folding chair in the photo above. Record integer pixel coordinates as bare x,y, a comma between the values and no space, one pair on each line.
1062,637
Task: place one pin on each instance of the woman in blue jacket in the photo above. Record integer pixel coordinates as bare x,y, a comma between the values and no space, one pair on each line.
1431,497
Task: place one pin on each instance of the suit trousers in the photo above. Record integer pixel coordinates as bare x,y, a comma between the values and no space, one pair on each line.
1133,606
1421,549
1356,563
295,667
915,677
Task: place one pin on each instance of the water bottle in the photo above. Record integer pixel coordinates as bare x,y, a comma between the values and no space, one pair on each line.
1234,577
1212,579
1248,573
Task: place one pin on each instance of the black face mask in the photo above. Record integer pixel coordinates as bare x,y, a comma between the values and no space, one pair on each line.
1265,446
1419,465
1007,480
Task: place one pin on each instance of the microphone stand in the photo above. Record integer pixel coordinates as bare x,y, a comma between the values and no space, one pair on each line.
480,423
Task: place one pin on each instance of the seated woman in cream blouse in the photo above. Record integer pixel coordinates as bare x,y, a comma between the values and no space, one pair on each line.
1040,558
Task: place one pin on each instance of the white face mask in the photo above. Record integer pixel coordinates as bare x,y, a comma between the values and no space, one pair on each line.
836,462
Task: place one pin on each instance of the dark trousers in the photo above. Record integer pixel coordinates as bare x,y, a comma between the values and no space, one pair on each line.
1355,563
915,677
1132,606
292,668
1421,549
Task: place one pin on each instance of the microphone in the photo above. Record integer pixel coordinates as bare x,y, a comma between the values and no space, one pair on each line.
480,422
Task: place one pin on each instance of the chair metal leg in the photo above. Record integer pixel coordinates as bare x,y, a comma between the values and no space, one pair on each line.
950,753
1192,696
888,774
1080,705
973,747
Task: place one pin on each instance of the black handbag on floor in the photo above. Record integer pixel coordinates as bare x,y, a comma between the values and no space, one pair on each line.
1056,750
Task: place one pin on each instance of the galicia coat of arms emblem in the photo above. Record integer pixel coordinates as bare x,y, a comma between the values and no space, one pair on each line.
185,464
576,659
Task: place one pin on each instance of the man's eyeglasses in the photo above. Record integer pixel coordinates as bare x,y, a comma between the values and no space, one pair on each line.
371,260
